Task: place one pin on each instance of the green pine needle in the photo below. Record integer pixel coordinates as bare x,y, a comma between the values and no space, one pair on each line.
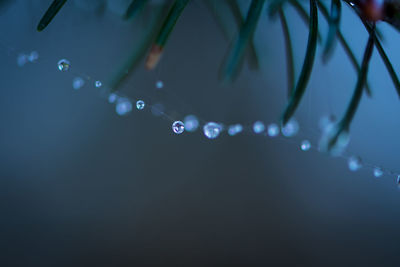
134,8
138,53
252,53
334,23
345,122
307,65
231,65
385,59
164,33
304,15
345,45
289,52
50,14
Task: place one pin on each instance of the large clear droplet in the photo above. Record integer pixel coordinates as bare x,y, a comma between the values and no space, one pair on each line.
258,127
78,83
378,172
140,104
305,145
123,106
235,129
291,128
354,163
178,127
273,130
64,65
191,123
98,84
212,130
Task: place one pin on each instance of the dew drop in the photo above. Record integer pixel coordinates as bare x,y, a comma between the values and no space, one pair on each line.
22,59
178,127
326,123
64,65
341,143
291,128
378,172
159,84
273,130
123,106
235,129
258,127
212,130
140,104
98,84
305,145
33,56
191,123
354,163
78,83
112,98
398,180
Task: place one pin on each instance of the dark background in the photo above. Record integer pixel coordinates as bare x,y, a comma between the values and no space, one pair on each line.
81,186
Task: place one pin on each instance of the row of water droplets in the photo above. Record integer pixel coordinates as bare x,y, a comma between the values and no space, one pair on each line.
212,130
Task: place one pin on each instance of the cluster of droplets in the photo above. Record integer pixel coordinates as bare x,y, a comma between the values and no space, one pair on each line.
23,58
212,130
235,129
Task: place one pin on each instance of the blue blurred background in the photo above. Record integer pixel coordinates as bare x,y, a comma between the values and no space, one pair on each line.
82,186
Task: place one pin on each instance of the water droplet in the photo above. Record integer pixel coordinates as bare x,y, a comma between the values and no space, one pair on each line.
354,163
212,130
140,104
305,145
235,129
63,65
291,128
378,172
112,98
327,122
351,3
258,127
78,83
159,84
33,56
341,143
123,107
398,180
273,130
98,84
22,59
178,127
191,123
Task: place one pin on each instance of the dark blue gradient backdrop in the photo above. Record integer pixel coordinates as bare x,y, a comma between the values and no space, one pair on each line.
81,186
